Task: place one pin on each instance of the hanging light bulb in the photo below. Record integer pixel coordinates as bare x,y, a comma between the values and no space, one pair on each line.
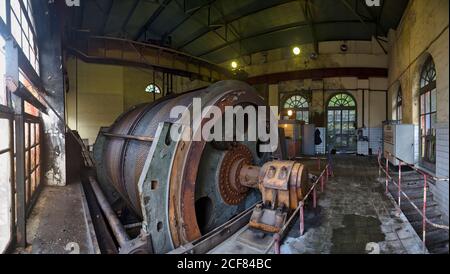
234,65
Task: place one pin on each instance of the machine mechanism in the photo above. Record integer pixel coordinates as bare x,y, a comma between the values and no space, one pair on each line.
182,190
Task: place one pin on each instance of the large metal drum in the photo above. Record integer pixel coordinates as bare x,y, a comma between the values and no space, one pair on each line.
190,196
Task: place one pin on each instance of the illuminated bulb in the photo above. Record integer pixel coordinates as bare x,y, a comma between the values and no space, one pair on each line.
290,113
296,51
234,65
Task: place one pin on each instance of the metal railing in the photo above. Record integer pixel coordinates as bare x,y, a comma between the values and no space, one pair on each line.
321,180
384,167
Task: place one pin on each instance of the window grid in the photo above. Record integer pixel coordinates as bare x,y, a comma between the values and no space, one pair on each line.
22,28
428,114
300,106
33,176
152,88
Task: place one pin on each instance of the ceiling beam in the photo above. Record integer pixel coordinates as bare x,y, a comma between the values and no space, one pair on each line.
190,14
307,13
371,31
358,16
129,15
105,22
229,21
152,19
377,18
277,29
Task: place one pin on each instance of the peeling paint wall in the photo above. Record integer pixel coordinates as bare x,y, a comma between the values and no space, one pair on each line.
368,54
51,56
370,94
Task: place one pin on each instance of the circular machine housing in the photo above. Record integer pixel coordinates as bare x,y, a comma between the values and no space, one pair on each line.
179,189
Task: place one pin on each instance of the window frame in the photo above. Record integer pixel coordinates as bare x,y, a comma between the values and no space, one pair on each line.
399,105
303,108
427,87
153,89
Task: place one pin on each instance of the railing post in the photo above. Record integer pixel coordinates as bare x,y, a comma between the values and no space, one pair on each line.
277,248
322,182
315,196
424,219
379,164
400,186
387,176
302,218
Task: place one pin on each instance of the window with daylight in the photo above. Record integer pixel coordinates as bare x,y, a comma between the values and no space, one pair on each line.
3,92
399,105
300,107
342,123
23,30
3,11
428,114
342,100
29,109
152,88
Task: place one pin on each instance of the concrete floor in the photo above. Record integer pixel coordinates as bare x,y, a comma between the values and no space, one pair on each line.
58,224
354,216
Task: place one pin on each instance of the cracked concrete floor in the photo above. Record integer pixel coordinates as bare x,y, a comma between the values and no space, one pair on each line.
354,216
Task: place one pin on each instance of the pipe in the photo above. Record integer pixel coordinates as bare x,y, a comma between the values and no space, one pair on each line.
130,137
116,226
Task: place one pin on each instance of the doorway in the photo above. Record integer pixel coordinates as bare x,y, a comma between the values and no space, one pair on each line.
342,123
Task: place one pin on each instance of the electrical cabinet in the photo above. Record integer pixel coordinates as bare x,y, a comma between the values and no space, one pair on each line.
399,141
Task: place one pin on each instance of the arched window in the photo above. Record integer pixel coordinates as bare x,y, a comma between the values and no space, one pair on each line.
299,106
152,88
428,114
399,105
342,100
342,122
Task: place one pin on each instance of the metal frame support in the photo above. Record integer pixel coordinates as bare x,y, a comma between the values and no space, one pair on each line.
12,72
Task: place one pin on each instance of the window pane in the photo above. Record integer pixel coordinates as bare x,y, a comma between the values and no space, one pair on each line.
428,124
3,10
5,201
27,128
433,101
4,134
32,134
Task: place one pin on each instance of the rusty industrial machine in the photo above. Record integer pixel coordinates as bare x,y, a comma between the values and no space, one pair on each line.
181,190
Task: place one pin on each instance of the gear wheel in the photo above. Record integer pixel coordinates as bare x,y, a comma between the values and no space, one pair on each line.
231,190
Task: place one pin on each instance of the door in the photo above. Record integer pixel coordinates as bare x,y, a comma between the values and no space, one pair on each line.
342,123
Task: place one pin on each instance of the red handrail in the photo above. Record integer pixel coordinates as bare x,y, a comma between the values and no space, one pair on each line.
322,180
426,176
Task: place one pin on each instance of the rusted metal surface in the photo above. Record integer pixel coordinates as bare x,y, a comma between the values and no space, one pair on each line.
231,189
124,160
283,185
